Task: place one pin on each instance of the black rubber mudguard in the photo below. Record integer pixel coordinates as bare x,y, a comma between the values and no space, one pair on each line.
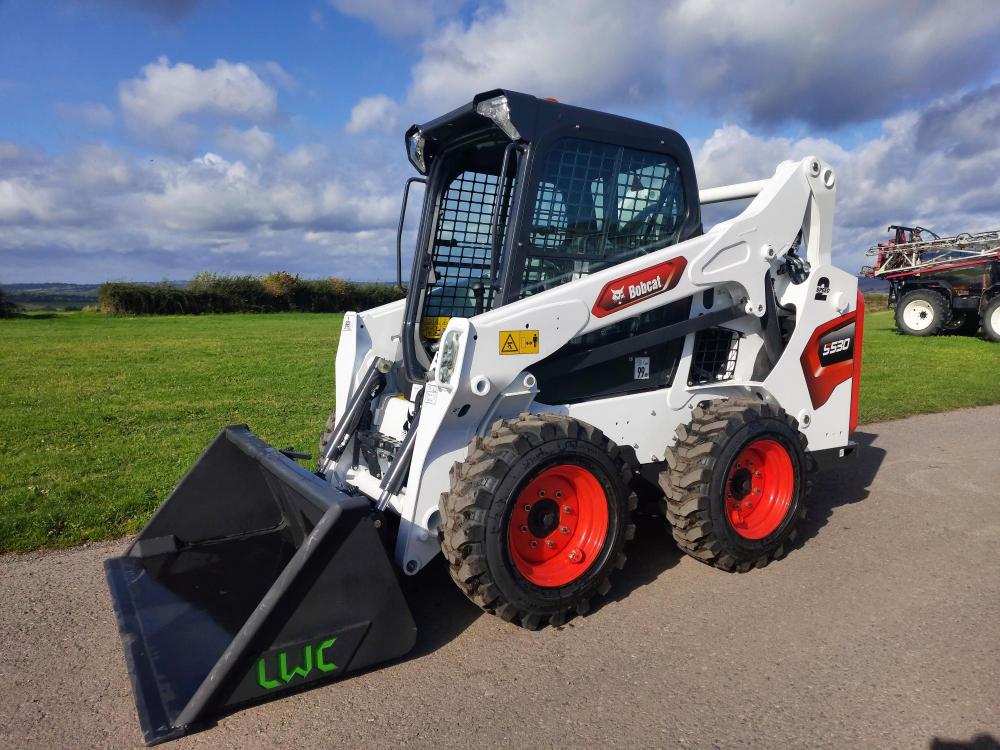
254,579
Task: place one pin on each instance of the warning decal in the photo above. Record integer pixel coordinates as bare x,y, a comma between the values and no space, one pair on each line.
433,327
519,342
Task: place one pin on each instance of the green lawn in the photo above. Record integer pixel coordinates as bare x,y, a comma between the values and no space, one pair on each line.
903,375
99,416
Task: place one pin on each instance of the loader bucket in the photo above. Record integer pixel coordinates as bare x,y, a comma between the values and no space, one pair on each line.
254,579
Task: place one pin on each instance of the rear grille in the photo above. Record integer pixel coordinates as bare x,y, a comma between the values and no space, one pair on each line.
714,356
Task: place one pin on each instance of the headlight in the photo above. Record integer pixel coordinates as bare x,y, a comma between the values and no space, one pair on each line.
498,110
448,355
415,150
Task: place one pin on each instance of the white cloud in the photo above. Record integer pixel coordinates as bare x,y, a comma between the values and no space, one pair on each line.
373,113
254,143
22,202
400,17
281,77
158,102
304,158
91,113
822,63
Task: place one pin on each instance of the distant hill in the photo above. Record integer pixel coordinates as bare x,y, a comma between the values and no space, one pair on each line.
872,285
51,296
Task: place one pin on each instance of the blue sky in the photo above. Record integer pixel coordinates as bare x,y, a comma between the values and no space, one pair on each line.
147,139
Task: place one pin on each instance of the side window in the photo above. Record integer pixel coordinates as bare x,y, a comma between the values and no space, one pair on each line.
650,202
596,205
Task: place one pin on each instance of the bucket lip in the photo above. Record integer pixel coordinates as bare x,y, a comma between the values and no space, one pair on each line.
154,720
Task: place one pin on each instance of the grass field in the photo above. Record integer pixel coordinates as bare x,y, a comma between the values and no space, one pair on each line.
99,416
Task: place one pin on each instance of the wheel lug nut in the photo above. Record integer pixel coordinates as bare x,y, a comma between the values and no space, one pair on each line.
524,528
532,544
566,509
527,506
550,544
757,474
565,529
541,493
575,556
756,490
558,493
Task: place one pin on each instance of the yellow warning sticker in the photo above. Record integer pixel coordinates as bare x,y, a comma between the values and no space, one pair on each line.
519,342
432,328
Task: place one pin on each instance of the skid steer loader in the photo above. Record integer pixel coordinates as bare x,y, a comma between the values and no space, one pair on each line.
571,340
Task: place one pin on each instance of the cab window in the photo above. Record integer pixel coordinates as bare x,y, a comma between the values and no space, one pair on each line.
595,205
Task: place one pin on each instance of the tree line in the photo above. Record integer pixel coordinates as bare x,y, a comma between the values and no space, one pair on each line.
216,293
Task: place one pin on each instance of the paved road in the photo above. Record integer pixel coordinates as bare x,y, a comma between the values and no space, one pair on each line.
881,631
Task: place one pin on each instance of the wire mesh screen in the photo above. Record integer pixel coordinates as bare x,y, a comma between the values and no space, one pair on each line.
596,205
650,203
462,248
714,356
569,207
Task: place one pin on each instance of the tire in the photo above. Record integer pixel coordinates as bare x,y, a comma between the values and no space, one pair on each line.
324,438
962,323
991,320
711,460
922,312
493,512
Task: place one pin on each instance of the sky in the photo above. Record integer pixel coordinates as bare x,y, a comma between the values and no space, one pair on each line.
153,139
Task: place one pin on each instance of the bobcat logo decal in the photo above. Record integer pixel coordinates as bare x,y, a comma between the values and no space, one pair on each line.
638,286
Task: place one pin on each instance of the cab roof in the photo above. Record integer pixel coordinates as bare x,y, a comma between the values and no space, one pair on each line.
534,117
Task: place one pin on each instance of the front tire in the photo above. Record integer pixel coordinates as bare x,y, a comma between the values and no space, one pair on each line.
735,484
537,518
922,312
991,320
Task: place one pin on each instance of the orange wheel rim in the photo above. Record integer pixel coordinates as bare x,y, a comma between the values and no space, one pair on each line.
759,489
558,526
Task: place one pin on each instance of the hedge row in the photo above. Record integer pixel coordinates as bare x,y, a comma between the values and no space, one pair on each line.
212,293
7,308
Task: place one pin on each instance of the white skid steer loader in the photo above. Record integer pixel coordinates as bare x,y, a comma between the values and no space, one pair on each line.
571,339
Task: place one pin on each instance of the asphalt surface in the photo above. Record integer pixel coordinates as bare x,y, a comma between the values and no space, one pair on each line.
881,630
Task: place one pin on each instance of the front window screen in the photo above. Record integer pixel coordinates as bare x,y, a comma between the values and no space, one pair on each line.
596,205
462,247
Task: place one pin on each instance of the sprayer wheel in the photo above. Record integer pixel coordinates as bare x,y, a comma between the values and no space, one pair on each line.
922,312
537,518
991,320
735,484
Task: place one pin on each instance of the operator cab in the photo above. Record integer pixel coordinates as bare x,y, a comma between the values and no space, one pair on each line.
524,194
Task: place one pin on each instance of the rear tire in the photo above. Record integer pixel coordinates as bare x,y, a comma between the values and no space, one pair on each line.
964,323
537,518
991,320
922,312
735,484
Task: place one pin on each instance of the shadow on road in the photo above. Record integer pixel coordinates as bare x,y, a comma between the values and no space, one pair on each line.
651,553
442,612
841,485
979,742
